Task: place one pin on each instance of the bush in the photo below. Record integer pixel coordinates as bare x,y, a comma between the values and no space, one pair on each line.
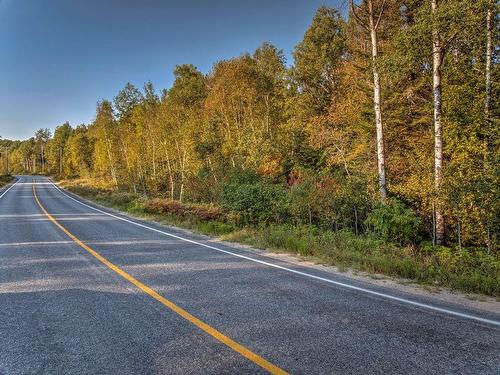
329,203
395,222
253,203
241,176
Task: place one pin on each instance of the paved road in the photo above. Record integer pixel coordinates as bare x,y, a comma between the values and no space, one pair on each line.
164,305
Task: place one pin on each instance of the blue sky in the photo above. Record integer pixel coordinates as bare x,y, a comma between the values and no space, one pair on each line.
58,57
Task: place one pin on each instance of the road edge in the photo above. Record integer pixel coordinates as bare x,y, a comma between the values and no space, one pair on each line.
396,286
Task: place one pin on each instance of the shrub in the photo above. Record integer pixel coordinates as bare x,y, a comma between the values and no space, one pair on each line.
395,222
328,202
202,187
241,176
254,203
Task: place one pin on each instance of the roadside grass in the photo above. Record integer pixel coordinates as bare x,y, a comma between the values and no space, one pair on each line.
465,270
5,179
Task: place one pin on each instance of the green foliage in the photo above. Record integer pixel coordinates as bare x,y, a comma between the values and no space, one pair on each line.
395,222
292,145
253,203
317,57
126,100
240,176
189,86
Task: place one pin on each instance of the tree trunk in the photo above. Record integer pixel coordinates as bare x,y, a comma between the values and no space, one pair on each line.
183,176
142,180
111,164
487,104
153,149
170,176
154,161
5,160
60,161
43,158
372,27
212,168
487,99
437,53
130,171
376,104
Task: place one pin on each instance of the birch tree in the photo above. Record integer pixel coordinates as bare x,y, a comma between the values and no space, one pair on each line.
42,136
374,18
104,131
489,53
437,60
181,115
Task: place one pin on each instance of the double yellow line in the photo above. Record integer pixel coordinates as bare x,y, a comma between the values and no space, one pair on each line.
247,353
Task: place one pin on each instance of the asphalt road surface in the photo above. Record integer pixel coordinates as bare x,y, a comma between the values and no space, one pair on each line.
84,290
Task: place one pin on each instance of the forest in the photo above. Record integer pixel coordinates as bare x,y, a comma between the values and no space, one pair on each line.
384,129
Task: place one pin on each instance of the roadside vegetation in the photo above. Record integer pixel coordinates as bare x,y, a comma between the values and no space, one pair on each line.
376,148
388,245
5,179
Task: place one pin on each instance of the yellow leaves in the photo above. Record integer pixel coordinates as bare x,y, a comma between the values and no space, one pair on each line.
241,108
271,165
340,132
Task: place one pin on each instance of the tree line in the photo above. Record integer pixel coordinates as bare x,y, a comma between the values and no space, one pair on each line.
395,105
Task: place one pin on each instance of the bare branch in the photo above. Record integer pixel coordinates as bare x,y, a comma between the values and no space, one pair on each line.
380,15
450,39
353,10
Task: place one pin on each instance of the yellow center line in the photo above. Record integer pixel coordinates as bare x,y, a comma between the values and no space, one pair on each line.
247,353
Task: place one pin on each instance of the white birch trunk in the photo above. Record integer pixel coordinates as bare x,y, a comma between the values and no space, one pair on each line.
170,176
437,53
376,104
110,158
487,99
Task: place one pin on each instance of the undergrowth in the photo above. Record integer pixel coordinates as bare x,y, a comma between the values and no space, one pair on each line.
5,179
467,270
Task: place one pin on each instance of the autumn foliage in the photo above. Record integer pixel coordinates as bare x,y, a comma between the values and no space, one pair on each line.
261,141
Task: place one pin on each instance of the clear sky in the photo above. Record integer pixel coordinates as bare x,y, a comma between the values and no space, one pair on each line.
58,57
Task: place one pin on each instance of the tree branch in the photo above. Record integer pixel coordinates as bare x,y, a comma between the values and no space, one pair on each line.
380,15
448,41
353,10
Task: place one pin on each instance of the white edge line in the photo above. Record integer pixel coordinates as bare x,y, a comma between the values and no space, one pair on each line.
5,192
348,286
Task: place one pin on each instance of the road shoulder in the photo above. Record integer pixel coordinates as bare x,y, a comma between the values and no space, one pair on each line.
469,301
